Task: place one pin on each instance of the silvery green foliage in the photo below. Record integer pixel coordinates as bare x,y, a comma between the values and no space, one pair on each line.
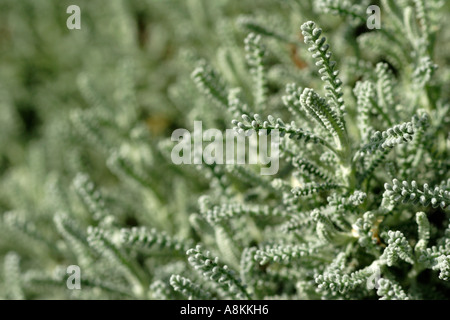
358,210
390,291
256,53
211,269
188,289
410,192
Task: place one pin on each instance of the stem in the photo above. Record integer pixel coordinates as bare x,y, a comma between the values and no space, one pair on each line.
346,165
319,139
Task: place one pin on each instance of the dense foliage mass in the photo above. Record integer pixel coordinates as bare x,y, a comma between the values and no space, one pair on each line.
358,210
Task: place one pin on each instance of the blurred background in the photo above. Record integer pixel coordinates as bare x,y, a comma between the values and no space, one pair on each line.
103,101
